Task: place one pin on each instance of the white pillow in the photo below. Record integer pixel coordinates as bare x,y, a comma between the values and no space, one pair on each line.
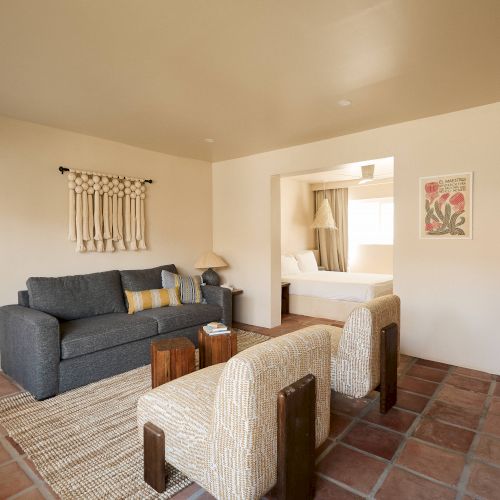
289,265
307,261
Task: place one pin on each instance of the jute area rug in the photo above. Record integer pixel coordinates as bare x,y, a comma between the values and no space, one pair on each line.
85,442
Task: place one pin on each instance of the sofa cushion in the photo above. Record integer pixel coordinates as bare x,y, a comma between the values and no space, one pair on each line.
79,296
189,286
151,299
83,336
175,318
137,280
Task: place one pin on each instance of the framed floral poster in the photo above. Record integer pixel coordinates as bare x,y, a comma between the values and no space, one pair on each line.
446,206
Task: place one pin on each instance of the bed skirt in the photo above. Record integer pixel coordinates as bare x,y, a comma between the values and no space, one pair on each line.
322,308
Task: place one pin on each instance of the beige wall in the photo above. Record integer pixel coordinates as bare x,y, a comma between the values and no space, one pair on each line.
34,204
371,258
297,211
449,289
367,191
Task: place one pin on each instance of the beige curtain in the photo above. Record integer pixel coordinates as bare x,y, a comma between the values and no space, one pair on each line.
332,244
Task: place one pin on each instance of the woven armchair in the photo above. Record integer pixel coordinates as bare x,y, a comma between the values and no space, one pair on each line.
365,352
220,424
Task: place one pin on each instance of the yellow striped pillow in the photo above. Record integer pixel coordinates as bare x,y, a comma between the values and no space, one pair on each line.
150,299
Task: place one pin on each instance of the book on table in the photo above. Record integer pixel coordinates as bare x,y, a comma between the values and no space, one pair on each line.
216,328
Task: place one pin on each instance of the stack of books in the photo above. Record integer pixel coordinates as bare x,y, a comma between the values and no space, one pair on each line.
215,328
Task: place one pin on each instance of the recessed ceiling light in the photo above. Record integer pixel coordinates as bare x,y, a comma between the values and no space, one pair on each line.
343,103
209,140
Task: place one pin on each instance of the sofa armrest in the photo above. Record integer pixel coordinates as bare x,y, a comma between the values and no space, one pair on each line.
30,349
222,297
23,298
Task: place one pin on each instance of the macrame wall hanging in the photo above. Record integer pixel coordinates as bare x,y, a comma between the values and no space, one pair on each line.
106,211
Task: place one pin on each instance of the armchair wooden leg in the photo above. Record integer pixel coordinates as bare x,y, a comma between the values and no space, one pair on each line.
154,457
388,367
297,440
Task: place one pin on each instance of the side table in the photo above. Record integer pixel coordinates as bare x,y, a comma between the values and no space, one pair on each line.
215,349
285,298
234,293
170,359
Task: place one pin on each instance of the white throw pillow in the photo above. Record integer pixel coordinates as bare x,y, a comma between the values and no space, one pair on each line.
307,261
289,265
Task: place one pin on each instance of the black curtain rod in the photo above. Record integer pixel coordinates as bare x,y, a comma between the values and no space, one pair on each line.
65,169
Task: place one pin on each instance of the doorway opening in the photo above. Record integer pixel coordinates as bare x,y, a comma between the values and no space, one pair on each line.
337,237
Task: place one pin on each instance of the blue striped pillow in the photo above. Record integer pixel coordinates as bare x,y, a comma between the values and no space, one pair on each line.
189,286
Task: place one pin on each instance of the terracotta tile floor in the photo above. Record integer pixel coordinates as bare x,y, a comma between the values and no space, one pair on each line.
442,440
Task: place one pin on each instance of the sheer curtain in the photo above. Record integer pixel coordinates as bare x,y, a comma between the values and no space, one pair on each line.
332,244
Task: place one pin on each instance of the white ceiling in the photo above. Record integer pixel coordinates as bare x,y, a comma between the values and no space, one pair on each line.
384,169
253,75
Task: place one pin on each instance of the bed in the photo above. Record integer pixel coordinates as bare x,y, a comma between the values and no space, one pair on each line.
328,294
333,295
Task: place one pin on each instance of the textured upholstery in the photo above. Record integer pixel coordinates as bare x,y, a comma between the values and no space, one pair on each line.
183,409
83,336
220,423
23,298
79,296
152,299
189,286
29,343
137,280
336,334
83,370
222,297
356,362
175,317
30,340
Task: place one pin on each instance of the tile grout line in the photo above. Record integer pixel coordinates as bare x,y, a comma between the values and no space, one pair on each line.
411,430
336,440
427,478
40,485
414,438
19,494
385,473
355,419
20,460
470,455
342,485
197,494
419,416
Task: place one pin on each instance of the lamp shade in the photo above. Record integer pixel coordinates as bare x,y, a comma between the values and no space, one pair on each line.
324,218
208,260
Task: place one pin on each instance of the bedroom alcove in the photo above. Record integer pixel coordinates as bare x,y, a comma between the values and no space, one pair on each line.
333,269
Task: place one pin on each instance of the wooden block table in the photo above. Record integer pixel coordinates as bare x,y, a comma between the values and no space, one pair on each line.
215,349
170,359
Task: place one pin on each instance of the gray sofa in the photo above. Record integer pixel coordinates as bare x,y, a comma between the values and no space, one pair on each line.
67,332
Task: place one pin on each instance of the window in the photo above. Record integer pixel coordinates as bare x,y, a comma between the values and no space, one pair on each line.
371,222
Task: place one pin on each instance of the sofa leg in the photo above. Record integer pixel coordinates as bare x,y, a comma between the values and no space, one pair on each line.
388,367
297,440
154,457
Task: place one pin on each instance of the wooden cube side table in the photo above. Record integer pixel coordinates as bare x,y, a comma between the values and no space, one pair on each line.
215,349
170,359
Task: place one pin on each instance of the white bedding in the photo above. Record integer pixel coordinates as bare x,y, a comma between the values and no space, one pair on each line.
354,287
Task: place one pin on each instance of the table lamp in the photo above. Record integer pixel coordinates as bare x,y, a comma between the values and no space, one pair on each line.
208,261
